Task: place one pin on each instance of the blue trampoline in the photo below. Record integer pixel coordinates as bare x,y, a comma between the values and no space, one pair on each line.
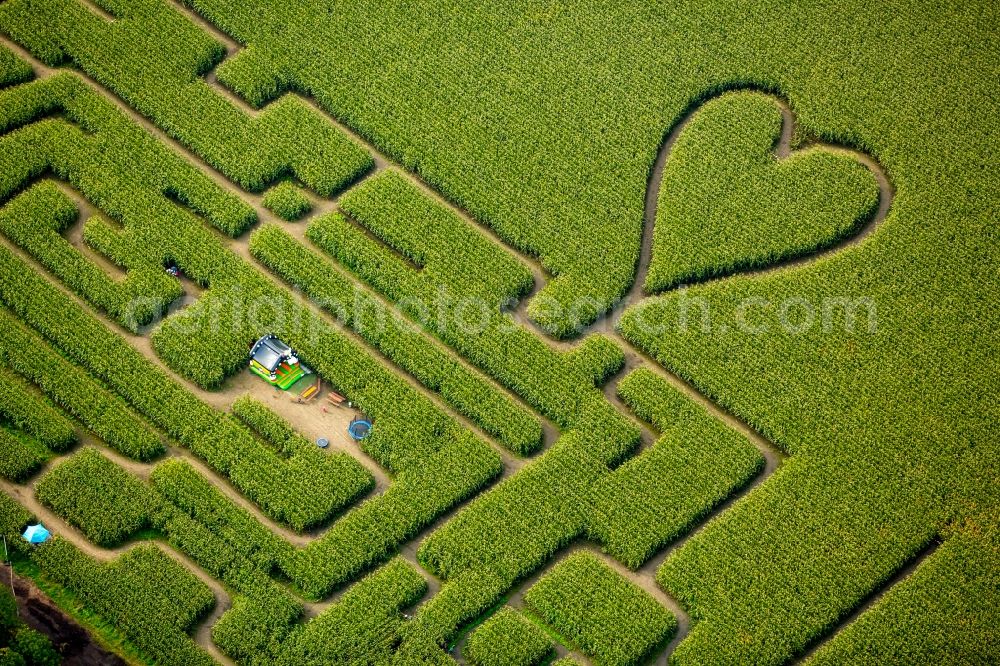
359,428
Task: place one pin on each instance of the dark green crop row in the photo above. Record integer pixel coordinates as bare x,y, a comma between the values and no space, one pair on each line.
408,426
234,547
402,342
262,626
228,542
208,341
142,163
254,76
364,537
363,627
25,410
164,84
507,639
196,502
256,628
20,455
862,493
727,204
614,621
579,409
35,221
539,514
98,497
24,352
506,534
478,104
145,594
657,496
517,527
564,172
19,644
515,537
532,516
451,252
107,504
460,601
22,645
123,249
13,69
13,519
233,561
264,613
799,548
286,201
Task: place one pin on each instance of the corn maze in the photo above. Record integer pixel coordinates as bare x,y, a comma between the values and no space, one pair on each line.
674,326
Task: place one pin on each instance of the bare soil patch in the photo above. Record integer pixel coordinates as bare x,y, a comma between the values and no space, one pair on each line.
40,613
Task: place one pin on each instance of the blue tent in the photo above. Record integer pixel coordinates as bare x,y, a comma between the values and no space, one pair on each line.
36,534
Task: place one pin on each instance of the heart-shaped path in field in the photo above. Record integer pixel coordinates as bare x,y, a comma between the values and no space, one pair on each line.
734,197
